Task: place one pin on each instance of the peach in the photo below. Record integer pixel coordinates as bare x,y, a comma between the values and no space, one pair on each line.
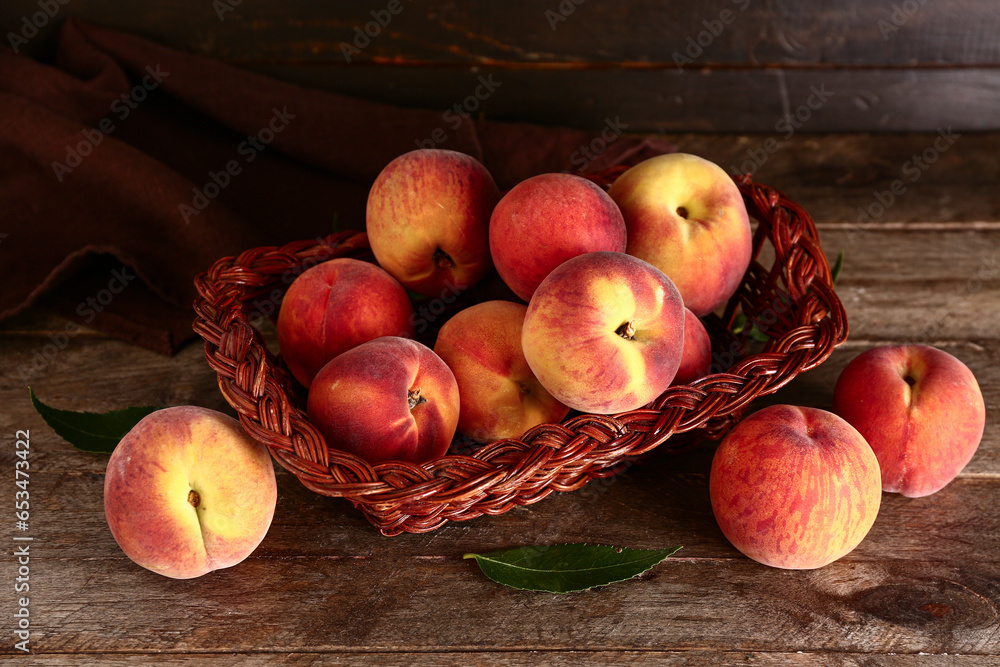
547,219
696,358
604,332
920,409
188,492
794,488
388,399
335,306
428,220
685,216
501,397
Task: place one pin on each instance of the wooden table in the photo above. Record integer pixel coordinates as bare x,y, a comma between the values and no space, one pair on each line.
325,587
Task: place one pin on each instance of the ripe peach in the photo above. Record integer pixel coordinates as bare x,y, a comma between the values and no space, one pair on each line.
685,216
920,409
604,332
547,219
696,359
501,398
795,488
335,306
428,220
388,399
187,492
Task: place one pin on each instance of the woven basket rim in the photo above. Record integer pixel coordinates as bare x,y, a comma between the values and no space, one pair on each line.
403,497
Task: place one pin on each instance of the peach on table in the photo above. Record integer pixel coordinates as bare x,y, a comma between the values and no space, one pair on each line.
187,491
794,487
921,411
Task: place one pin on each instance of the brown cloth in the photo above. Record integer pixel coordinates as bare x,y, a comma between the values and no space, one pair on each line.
127,168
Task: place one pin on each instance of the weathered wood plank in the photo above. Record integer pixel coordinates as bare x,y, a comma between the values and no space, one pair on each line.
921,313
692,100
844,178
339,604
959,262
496,658
605,60
660,503
639,33
726,32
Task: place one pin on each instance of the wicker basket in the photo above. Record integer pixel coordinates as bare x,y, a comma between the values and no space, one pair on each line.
792,302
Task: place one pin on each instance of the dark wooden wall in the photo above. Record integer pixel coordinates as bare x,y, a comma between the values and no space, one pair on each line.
717,65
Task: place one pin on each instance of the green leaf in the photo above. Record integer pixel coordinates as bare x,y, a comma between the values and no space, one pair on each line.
566,568
758,335
91,431
739,322
837,266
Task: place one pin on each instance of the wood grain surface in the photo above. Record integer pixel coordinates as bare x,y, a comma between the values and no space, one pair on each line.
325,588
520,33
718,66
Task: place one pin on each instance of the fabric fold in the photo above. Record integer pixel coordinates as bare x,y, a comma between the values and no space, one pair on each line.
140,157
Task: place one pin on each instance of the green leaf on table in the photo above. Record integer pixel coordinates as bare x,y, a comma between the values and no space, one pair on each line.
567,568
837,266
91,431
